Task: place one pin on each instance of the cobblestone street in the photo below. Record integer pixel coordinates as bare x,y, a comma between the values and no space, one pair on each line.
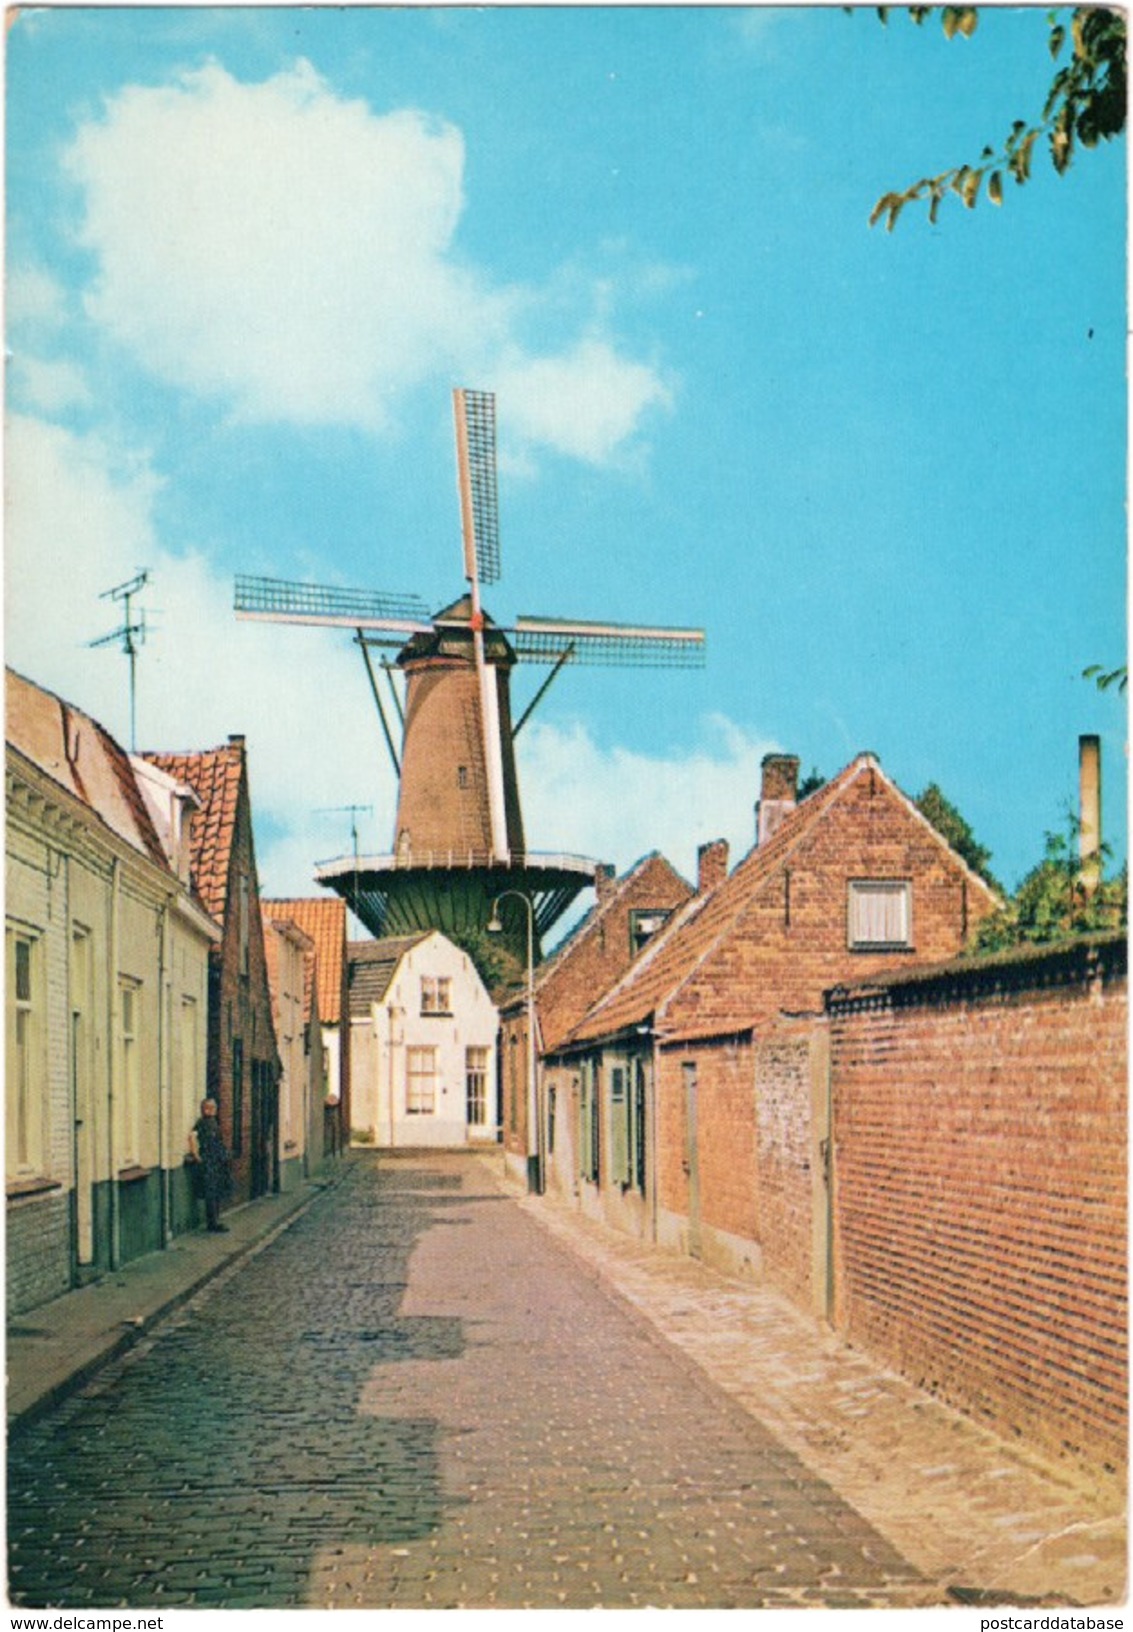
416,1397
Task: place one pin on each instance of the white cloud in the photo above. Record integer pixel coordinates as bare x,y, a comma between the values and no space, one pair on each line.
77,522
292,253
616,805
32,295
587,403
50,386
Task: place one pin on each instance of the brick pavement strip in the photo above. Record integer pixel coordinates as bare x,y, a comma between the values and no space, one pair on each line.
415,1397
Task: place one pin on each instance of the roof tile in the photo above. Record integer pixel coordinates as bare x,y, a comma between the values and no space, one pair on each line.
323,918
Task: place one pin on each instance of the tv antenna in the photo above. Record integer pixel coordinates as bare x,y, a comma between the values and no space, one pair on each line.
132,633
353,811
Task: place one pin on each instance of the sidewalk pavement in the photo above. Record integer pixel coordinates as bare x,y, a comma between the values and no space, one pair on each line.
54,1349
987,1520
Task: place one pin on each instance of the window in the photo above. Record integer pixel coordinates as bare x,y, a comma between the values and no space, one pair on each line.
639,1126
644,922
192,1087
590,1119
436,994
476,1086
880,914
26,1064
619,1126
129,1104
420,1081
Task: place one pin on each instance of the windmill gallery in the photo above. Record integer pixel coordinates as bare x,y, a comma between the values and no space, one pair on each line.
688,1066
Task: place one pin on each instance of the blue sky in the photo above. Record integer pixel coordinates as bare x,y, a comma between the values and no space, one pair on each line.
250,251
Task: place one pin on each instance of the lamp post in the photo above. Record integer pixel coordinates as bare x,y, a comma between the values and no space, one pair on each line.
534,1121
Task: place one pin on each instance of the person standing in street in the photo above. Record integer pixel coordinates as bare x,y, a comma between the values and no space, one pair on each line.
207,1149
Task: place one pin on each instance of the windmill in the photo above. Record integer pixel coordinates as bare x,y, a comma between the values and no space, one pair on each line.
458,838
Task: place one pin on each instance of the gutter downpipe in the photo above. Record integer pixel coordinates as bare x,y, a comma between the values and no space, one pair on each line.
164,1072
654,1095
113,1057
389,1054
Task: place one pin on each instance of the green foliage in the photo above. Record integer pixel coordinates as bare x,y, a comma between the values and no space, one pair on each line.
1053,904
1104,678
810,783
496,964
949,823
1084,105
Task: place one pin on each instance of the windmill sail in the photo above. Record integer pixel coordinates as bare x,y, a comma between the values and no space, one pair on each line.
475,416
551,640
276,600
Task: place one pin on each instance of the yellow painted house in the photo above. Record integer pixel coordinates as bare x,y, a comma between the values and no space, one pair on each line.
106,986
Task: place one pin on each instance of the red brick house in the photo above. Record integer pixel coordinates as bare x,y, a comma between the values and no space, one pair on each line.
628,912
323,919
849,882
243,1060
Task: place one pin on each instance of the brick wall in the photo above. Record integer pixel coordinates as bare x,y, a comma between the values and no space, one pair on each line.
604,950
789,943
37,1250
979,1189
239,1003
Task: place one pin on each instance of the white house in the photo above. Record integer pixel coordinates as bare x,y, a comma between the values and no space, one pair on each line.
422,1045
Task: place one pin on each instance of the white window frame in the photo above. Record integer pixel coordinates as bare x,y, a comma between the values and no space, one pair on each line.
129,1072
436,994
879,914
26,1089
420,1079
476,1086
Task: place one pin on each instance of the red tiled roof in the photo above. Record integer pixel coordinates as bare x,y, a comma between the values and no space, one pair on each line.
215,776
693,934
82,757
323,918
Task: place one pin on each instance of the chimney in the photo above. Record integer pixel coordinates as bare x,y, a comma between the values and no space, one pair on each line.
711,865
1090,811
605,879
778,794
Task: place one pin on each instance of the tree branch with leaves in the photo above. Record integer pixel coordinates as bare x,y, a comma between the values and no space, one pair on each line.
1085,105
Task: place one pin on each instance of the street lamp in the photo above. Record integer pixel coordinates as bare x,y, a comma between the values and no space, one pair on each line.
534,1125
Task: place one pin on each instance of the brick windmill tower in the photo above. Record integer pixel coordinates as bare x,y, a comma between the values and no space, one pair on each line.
458,841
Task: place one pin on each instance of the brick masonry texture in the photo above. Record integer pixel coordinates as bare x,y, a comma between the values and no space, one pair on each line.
784,1159
784,946
597,953
980,1193
37,1250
